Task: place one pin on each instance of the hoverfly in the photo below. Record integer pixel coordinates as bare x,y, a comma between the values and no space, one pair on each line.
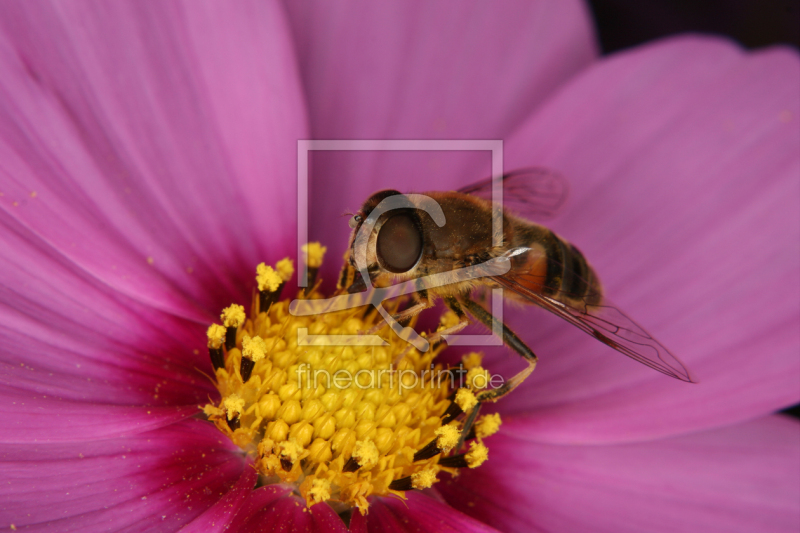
545,269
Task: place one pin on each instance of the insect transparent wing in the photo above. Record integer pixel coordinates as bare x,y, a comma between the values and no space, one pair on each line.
531,193
603,321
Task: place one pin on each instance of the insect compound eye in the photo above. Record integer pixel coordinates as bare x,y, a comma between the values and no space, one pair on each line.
399,244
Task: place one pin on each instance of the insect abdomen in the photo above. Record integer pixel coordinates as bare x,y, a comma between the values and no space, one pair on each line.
569,275
565,275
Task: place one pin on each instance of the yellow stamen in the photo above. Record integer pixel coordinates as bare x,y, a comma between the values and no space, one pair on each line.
478,378
477,454
291,450
234,405
320,490
285,268
471,360
341,423
233,316
366,453
487,426
466,399
448,437
213,411
313,253
424,478
448,320
216,335
254,348
267,278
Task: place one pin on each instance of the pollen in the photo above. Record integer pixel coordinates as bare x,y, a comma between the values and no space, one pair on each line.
366,453
448,320
313,253
267,278
216,334
487,426
471,360
342,423
477,454
478,378
290,450
254,348
320,490
424,478
285,268
234,406
466,399
233,316
447,437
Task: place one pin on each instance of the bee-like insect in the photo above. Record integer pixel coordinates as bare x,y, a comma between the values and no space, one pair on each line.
408,243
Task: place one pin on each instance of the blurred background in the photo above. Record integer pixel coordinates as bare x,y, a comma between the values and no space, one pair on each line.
754,23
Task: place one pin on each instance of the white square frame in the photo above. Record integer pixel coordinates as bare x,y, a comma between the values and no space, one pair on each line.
495,146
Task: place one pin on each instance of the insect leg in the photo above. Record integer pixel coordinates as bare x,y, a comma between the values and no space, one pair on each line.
346,276
454,306
439,335
512,341
467,427
463,321
452,330
403,315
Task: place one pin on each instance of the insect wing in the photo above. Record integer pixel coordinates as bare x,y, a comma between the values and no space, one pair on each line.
604,322
532,193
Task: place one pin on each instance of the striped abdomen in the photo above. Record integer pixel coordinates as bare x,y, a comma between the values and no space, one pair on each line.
557,268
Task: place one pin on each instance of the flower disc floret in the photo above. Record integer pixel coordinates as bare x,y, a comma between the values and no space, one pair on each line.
341,422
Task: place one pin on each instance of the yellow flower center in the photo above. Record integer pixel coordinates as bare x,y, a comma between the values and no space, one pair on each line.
342,423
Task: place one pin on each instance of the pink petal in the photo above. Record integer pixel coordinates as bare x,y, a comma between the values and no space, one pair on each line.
64,334
276,508
418,513
159,480
159,140
742,478
359,62
219,516
41,419
684,157
416,70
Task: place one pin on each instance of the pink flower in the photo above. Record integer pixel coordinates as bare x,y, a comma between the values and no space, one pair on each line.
148,163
